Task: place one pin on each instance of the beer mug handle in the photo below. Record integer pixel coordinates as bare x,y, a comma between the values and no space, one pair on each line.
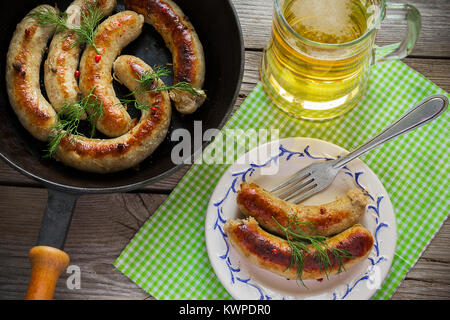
400,11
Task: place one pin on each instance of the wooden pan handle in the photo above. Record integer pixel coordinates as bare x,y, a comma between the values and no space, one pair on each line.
47,264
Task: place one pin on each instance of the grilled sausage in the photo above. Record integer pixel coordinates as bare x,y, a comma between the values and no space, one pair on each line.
23,62
274,254
182,40
111,36
61,83
110,155
326,219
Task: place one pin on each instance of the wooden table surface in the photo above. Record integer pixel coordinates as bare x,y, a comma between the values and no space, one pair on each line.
104,224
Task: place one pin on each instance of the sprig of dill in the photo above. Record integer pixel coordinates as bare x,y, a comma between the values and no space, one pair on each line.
183,86
49,16
136,104
148,82
69,118
89,19
148,79
88,22
301,244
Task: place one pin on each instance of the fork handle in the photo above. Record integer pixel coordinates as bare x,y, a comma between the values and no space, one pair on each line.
425,111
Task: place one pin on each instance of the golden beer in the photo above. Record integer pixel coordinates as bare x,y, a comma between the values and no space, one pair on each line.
316,65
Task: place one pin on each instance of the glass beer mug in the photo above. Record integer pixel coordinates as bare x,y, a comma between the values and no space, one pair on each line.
317,63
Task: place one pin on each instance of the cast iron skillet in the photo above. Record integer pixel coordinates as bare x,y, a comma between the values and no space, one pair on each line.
219,30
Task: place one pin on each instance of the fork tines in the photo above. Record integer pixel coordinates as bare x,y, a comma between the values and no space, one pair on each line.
297,185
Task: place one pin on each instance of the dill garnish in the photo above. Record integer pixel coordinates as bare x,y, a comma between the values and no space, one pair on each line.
69,120
51,17
88,22
302,243
135,103
148,82
89,19
149,79
183,86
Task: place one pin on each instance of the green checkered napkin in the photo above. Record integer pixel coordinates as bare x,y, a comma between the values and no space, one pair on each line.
168,256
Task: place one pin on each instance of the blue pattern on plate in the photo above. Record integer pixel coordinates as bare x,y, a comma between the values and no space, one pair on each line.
243,175
379,225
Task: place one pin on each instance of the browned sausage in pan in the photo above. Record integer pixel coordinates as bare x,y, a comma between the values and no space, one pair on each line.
182,40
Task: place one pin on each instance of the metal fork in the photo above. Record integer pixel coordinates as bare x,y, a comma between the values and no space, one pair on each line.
317,176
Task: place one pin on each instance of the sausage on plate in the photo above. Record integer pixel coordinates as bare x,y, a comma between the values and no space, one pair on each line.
326,219
274,254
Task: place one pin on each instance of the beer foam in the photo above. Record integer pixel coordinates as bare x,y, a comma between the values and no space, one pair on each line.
324,16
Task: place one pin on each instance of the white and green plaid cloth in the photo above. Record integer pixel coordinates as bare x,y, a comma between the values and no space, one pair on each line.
168,256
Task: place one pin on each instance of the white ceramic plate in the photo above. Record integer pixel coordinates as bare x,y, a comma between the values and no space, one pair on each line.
273,163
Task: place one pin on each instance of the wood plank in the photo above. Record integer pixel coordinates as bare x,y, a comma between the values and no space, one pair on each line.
434,41
430,277
436,70
104,224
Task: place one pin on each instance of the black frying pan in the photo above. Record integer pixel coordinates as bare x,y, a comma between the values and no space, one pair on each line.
218,27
